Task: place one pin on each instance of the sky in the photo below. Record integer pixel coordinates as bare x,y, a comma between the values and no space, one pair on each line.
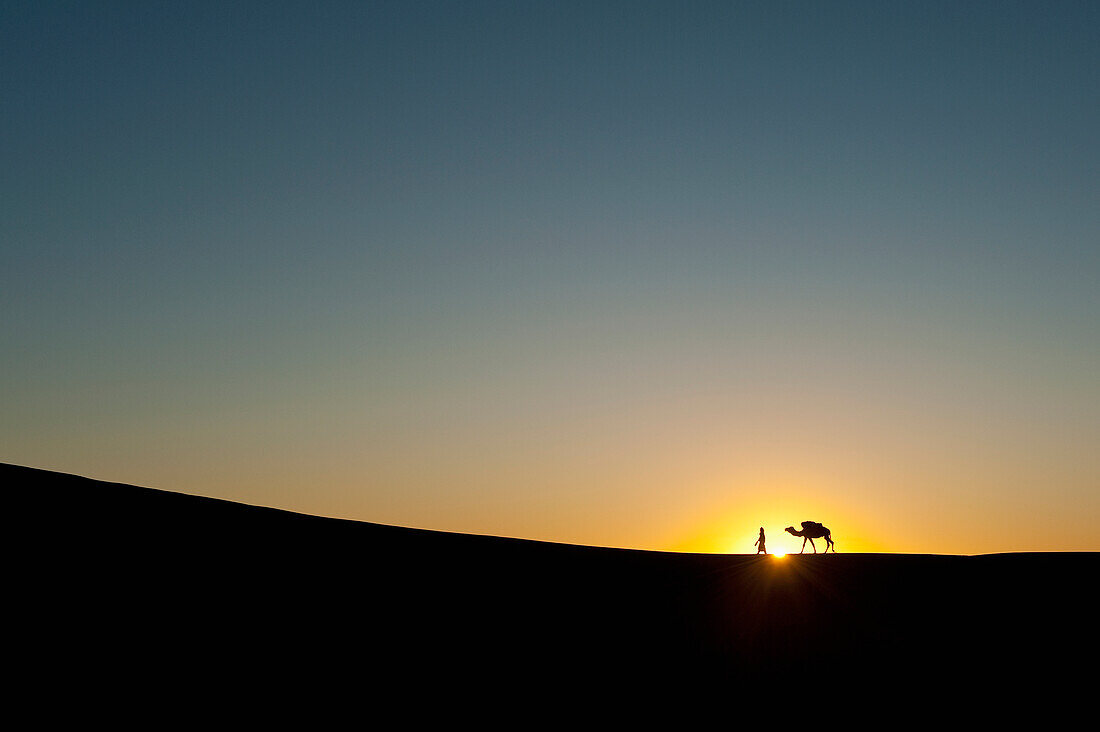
630,274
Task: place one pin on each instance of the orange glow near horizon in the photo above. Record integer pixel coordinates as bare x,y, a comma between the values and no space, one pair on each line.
705,505
775,502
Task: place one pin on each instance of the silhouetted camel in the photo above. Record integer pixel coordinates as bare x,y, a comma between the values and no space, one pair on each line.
812,530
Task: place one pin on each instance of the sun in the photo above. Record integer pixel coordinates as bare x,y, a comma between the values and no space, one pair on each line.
779,555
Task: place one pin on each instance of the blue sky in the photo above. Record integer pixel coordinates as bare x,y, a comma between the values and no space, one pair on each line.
509,267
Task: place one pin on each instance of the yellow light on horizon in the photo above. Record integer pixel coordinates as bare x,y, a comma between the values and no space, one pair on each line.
779,555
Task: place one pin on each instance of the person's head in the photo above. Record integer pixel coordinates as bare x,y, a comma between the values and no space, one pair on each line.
761,529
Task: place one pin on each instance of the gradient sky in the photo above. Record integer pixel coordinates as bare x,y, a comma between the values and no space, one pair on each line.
630,274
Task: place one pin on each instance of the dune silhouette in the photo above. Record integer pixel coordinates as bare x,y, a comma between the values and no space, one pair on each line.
164,581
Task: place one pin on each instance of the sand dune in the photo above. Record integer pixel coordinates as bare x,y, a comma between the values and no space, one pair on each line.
170,583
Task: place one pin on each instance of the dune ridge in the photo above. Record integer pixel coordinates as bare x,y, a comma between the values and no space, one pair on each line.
171,581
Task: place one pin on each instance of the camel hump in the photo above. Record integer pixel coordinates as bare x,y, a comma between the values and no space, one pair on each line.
811,525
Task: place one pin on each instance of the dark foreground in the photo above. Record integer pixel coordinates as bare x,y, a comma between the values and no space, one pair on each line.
181,589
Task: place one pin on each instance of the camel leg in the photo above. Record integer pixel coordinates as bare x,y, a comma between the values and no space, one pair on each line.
803,545
813,545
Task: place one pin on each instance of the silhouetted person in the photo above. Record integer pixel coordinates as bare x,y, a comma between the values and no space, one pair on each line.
760,542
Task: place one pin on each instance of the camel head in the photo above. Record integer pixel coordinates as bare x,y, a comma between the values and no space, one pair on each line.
791,530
